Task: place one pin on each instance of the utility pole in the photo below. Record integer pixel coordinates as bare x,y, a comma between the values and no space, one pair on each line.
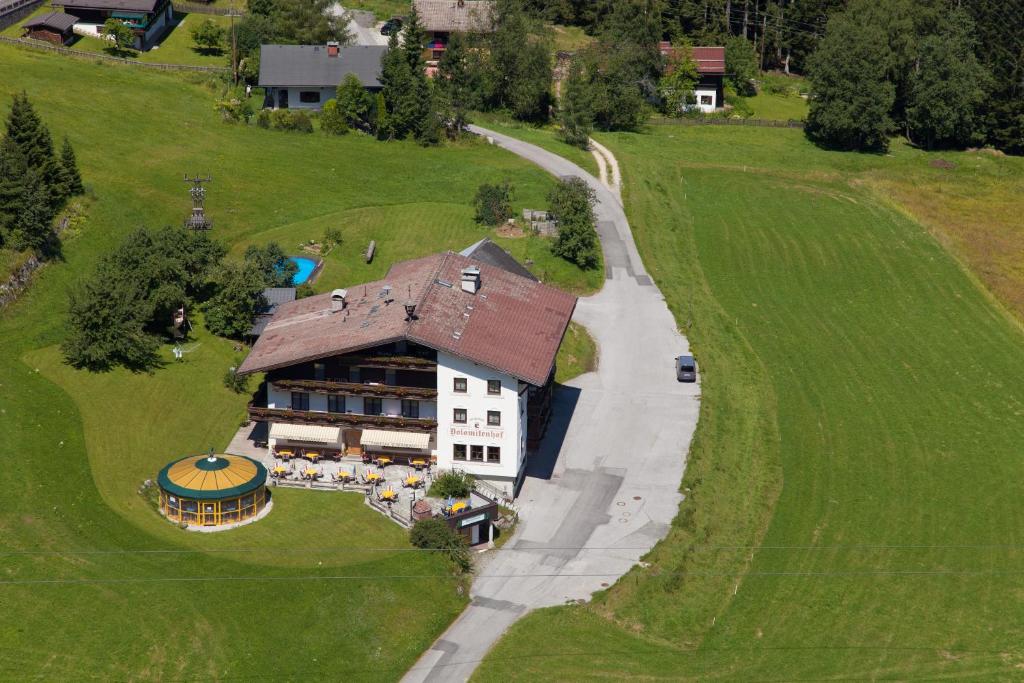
234,45
764,27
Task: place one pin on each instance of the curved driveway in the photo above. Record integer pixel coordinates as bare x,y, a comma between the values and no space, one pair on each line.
605,485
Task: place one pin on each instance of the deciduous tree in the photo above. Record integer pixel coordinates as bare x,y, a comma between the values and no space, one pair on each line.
271,264
119,311
741,65
238,299
208,35
851,95
120,34
572,204
331,120
947,90
676,87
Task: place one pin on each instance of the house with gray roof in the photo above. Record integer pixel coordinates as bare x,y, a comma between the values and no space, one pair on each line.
149,20
306,76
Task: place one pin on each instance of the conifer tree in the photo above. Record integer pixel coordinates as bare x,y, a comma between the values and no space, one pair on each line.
32,228
395,81
13,185
576,113
70,177
421,112
454,84
32,137
354,103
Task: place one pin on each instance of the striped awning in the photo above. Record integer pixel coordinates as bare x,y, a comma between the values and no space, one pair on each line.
306,433
381,437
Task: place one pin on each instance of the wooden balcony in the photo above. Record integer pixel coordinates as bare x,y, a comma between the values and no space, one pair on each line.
391,362
355,389
347,420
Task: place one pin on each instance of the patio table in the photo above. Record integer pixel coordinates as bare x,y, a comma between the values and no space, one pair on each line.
310,472
458,507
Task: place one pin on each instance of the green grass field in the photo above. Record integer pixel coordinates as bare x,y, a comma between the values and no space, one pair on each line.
545,137
383,9
852,496
94,583
775,107
577,355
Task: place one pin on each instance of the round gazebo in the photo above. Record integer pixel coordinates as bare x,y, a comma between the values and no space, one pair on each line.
212,490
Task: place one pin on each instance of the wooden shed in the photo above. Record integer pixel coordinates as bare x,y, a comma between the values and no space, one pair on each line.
53,27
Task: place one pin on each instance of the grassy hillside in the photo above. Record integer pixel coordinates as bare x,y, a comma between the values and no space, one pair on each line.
853,491
94,583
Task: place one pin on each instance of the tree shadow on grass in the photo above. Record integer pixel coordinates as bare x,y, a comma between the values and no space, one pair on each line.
208,51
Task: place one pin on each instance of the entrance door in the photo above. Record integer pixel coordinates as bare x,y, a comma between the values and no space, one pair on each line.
282,98
474,534
352,439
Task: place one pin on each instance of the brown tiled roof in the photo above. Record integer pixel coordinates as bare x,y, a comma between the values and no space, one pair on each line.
512,324
710,60
454,16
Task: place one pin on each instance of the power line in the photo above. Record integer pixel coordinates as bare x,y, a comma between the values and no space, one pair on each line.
525,575
531,548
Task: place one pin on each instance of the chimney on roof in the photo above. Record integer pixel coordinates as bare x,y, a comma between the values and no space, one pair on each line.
338,297
410,310
470,279
462,3
333,48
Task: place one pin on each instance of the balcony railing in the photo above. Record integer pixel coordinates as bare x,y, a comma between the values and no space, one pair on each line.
355,389
263,414
395,362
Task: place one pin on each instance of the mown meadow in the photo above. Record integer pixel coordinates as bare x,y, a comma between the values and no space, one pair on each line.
852,495
94,584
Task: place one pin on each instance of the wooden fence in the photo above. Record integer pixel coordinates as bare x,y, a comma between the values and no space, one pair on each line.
199,8
46,47
687,121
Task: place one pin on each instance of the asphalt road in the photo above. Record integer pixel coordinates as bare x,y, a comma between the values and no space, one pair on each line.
364,29
605,486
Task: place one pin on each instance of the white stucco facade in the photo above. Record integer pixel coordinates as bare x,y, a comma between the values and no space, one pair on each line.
496,453
292,97
707,99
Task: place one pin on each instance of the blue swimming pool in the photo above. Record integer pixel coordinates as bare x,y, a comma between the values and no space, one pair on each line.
306,268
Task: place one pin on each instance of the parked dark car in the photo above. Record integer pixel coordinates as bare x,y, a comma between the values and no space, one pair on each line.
686,369
392,25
